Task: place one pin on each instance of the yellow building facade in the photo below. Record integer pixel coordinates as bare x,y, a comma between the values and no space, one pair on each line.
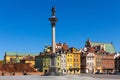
73,61
32,62
15,57
58,62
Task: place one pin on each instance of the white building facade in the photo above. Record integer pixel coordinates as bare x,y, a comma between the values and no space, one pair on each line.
63,63
90,62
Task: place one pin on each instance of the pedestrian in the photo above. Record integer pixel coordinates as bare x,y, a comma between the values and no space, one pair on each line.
3,73
13,74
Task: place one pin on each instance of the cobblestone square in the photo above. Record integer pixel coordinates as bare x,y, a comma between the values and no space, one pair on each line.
67,77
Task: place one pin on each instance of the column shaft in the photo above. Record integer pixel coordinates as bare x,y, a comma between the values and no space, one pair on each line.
53,39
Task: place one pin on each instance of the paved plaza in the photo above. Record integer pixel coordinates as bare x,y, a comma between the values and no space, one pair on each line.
67,77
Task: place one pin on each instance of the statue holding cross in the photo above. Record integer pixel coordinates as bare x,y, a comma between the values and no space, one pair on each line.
53,11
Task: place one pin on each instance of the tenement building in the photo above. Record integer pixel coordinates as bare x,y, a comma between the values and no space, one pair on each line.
42,61
117,62
99,57
73,61
15,57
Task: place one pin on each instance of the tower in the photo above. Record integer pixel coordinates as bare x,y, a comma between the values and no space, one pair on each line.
87,44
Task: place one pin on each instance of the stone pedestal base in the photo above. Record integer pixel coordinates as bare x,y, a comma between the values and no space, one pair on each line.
53,72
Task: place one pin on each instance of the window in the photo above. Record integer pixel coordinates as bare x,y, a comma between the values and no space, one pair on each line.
111,65
86,58
74,60
87,63
70,65
58,64
44,64
77,60
76,56
91,58
58,58
68,60
75,65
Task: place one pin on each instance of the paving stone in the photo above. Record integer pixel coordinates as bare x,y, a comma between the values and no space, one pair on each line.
67,77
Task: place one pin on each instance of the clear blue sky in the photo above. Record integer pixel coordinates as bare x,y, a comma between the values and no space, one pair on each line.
24,25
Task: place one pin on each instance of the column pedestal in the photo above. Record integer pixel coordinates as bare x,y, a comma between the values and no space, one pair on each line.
53,70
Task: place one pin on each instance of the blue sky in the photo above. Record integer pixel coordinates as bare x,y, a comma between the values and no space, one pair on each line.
24,25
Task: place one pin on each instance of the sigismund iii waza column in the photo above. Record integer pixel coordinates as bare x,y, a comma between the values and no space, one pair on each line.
53,68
